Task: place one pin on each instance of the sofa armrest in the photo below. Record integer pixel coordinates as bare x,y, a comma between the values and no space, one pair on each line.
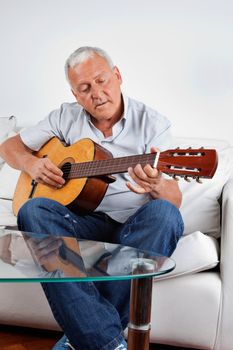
226,258
225,334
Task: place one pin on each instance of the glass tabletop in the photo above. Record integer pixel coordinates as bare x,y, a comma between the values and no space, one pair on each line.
33,257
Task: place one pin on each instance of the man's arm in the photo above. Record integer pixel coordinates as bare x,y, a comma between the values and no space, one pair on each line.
150,180
19,156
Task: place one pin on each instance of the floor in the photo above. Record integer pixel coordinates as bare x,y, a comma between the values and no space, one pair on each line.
18,338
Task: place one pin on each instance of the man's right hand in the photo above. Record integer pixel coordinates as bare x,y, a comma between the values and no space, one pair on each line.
45,249
19,156
43,170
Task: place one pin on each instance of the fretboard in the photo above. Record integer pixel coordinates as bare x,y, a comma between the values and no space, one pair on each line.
109,166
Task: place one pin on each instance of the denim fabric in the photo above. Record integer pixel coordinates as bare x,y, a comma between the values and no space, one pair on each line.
62,344
93,315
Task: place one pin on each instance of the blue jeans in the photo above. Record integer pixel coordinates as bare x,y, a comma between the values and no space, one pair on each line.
94,314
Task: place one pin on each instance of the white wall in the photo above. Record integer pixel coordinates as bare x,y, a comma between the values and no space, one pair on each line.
175,55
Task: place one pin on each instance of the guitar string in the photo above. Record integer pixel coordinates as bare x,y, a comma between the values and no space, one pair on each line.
106,165
85,170
114,160
119,160
171,172
99,167
98,171
105,162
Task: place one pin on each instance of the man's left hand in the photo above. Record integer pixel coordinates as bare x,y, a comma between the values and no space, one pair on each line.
150,180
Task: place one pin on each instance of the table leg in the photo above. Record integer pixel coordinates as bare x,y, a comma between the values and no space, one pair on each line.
140,314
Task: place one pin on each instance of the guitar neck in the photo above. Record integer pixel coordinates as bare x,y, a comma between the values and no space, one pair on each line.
109,166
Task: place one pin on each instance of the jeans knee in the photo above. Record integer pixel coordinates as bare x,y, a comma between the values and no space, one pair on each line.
160,207
31,206
165,211
28,208
31,211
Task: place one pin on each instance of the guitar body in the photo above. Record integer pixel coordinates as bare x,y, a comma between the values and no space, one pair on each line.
81,195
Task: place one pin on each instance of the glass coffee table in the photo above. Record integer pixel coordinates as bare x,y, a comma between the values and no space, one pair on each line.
68,259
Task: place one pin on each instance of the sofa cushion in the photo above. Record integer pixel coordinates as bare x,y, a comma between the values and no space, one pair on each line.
194,253
7,217
200,207
8,180
7,124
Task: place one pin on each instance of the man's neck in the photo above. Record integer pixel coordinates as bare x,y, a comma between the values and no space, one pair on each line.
104,126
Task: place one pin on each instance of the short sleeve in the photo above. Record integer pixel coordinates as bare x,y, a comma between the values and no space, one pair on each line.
36,136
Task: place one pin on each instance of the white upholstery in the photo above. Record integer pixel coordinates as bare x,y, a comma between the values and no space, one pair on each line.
6,215
224,339
7,125
192,306
185,310
194,253
24,304
8,181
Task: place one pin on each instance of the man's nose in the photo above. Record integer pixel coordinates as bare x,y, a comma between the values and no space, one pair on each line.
96,92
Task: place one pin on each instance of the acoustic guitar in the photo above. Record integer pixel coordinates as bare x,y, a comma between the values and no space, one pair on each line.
87,169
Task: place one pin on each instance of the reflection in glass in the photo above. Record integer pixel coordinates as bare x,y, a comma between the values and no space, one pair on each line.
33,256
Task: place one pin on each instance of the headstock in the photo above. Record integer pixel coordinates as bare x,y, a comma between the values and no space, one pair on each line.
189,163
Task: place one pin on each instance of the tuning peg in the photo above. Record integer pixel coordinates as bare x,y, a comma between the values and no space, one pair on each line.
198,180
175,177
186,178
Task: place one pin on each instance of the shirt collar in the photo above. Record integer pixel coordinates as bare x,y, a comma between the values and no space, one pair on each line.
126,103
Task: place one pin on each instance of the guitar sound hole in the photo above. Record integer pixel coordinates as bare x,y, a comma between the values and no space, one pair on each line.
66,170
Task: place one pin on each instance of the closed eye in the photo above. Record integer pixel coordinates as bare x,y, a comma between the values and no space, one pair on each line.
101,81
84,89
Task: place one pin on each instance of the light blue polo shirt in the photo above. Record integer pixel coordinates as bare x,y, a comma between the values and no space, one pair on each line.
136,132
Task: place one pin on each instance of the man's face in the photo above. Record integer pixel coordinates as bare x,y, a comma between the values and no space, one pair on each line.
97,88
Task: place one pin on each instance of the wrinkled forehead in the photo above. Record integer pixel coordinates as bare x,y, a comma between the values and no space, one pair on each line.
89,69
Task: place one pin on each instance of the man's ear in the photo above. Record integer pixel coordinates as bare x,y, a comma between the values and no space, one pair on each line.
118,74
74,94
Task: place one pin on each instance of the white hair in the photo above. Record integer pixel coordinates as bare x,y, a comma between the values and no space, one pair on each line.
82,54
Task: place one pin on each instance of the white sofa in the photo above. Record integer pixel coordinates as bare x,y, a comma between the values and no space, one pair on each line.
193,305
